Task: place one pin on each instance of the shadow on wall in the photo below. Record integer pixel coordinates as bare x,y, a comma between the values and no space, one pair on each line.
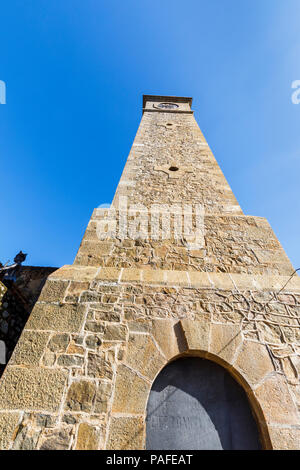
24,285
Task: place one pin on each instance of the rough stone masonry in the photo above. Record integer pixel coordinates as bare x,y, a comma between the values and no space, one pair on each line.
104,327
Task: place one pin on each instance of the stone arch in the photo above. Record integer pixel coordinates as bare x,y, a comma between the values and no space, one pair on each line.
249,363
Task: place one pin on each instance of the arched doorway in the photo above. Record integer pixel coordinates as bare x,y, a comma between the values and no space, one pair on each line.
196,404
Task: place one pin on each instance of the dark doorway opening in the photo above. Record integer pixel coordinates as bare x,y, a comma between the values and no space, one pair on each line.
195,404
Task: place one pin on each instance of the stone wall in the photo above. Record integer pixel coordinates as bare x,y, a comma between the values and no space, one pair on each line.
93,332
104,328
238,244
18,300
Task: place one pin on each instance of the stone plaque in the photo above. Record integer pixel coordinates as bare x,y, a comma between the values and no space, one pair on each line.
195,404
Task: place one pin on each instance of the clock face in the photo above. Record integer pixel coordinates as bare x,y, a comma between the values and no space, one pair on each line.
167,105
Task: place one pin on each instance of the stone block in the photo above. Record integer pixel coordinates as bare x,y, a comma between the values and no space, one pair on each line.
108,274
143,356
285,438
131,275
153,276
32,389
8,428
221,281
57,439
59,342
126,433
88,437
177,278
115,332
199,280
68,318
225,339
276,402
196,334
53,291
103,396
133,401
169,338
75,273
29,348
253,362
98,367
80,396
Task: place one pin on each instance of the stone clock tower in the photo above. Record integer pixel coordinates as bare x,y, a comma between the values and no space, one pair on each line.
175,327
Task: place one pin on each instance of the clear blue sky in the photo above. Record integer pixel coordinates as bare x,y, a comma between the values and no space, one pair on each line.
75,73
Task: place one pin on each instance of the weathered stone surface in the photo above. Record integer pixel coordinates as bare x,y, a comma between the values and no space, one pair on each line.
70,360
108,274
276,401
134,401
92,341
30,348
254,362
49,359
169,337
95,327
285,438
103,397
32,389
26,438
66,318
143,356
59,342
88,437
99,367
53,291
57,439
75,273
80,396
8,428
225,341
126,433
115,333
131,275
196,334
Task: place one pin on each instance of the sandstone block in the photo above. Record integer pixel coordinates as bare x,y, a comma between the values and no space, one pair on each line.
88,437
115,333
196,334
102,397
285,438
143,356
133,401
80,396
131,275
276,402
59,342
225,340
75,273
32,389
108,274
29,348
67,317
126,433
199,279
53,291
8,428
253,362
98,367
